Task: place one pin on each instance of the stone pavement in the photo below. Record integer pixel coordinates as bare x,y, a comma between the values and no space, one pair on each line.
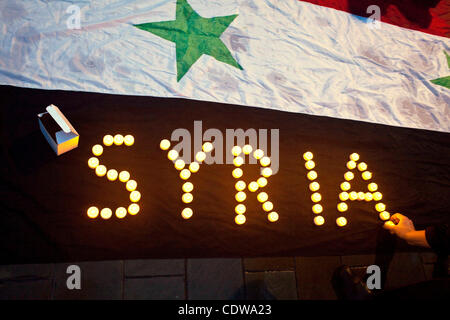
286,278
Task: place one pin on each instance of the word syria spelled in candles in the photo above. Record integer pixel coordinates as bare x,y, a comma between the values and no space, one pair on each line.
243,189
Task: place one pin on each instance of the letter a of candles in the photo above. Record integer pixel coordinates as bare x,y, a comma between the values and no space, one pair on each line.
372,195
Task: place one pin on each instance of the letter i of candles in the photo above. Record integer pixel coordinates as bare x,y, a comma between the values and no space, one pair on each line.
314,186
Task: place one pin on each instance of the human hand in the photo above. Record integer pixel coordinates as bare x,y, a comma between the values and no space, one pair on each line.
403,228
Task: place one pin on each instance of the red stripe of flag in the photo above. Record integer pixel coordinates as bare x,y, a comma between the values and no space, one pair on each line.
430,16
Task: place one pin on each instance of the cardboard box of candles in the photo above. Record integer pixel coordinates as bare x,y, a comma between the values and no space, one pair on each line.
58,131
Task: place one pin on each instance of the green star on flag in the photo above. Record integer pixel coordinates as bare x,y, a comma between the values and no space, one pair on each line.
444,81
193,36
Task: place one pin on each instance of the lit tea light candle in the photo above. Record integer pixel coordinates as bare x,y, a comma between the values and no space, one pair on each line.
312,175
106,213
108,140
200,156
118,139
342,207
172,155
368,197
351,165
377,196
317,208
237,173
187,187
253,186
247,149
124,176
238,161
349,176
319,220
179,164
128,140
133,209
131,185
194,167
135,196
187,197
258,154
308,156
264,161
240,219
93,162
240,185
316,197
207,147
314,186
187,213
367,175
380,207
185,174
361,196
385,215
112,175
262,182
93,212
354,157
267,206
236,150
266,172
353,195
164,144
372,187
345,186
262,197
273,216
240,209
121,212
97,150
344,196
100,170
362,166
341,221
240,196
310,164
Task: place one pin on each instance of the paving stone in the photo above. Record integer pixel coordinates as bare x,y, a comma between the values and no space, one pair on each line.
155,288
271,285
153,267
428,257
99,280
26,290
215,279
404,269
26,281
314,276
25,271
269,264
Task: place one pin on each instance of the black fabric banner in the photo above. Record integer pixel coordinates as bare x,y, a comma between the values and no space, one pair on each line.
45,197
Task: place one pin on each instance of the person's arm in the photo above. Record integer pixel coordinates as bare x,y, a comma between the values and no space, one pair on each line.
404,229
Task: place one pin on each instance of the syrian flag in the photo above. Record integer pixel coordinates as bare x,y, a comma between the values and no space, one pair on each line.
331,77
